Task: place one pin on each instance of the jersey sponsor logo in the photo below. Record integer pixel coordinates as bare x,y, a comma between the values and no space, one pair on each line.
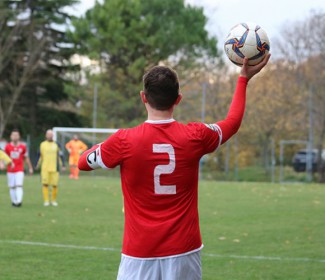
14,154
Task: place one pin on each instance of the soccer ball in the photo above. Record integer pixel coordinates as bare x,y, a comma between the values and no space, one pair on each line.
247,40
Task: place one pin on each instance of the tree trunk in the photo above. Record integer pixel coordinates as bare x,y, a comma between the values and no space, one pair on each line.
16,90
6,114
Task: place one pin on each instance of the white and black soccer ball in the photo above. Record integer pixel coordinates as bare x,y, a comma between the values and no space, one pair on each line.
247,40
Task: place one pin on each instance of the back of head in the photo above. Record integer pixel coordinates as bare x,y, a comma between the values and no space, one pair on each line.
161,87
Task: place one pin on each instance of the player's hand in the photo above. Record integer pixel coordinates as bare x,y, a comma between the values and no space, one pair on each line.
63,169
2,166
250,71
31,171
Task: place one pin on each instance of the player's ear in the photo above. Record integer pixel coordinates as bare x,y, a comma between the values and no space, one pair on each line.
143,97
179,98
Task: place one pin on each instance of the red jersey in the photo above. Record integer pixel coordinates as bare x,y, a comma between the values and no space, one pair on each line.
159,164
17,154
159,172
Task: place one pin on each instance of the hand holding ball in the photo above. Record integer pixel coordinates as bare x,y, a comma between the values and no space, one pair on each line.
247,40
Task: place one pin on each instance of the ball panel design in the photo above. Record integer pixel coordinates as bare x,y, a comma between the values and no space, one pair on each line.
246,40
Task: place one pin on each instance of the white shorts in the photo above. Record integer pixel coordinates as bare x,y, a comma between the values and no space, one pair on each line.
184,267
15,179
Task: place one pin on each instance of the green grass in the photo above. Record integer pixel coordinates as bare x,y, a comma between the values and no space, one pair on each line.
256,173
237,220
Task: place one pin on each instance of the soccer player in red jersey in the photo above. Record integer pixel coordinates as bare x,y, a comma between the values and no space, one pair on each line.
17,151
159,163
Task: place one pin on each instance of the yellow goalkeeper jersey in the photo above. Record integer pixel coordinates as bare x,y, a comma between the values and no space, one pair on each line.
4,157
50,156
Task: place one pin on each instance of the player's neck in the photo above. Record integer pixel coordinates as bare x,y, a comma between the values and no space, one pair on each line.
155,115
15,143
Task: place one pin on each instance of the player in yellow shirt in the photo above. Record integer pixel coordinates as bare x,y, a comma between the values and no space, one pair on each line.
4,158
75,147
51,159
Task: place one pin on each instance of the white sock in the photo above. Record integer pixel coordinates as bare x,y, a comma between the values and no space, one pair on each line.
19,194
12,192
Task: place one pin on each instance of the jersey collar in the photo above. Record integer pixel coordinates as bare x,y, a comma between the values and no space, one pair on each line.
160,121
13,144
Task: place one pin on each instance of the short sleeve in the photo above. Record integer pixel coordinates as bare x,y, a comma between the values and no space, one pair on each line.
111,151
25,151
211,137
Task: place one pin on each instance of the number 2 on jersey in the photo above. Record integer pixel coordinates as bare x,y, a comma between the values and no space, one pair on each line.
164,169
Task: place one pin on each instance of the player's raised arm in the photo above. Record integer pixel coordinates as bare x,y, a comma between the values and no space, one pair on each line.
230,125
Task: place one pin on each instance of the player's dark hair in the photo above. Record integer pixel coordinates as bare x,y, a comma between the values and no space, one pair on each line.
15,130
161,87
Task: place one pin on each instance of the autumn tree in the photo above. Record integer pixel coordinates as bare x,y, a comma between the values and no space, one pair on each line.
305,52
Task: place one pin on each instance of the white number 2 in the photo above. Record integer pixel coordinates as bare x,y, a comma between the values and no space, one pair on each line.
164,169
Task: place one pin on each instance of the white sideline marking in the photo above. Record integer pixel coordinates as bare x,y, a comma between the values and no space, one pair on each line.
59,245
264,258
203,254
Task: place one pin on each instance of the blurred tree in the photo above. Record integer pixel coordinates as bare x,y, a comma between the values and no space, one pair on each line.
34,62
273,110
128,37
305,52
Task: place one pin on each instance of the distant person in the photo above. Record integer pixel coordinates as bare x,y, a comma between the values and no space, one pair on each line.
159,165
75,148
18,153
50,161
5,160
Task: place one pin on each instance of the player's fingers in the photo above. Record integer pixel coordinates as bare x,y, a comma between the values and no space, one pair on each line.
266,59
261,65
245,62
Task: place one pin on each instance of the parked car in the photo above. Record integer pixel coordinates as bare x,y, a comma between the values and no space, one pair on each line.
300,158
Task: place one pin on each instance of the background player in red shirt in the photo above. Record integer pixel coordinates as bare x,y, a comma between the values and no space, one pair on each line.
159,163
17,151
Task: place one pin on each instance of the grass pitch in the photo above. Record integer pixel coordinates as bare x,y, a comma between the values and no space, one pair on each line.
250,231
